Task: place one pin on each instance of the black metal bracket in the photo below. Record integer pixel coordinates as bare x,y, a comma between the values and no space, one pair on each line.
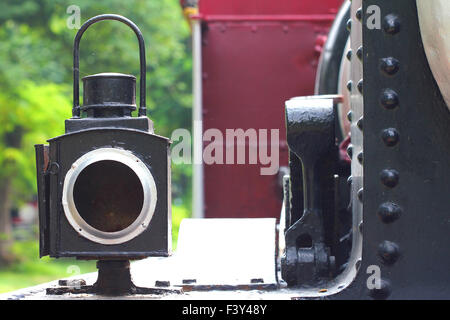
310,136
114,279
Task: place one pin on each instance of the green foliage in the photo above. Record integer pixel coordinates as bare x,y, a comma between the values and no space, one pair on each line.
178,214
36,73
30,270
36,114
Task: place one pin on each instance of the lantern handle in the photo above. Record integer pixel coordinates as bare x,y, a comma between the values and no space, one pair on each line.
76,61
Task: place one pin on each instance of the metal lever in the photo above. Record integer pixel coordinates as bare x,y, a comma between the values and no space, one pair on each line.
310,136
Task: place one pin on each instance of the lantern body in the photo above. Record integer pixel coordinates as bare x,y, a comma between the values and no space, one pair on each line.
104,186
106,183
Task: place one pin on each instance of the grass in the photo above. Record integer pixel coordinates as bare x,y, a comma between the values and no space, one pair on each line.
29,270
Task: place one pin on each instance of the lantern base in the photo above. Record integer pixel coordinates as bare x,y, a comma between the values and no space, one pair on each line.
114,279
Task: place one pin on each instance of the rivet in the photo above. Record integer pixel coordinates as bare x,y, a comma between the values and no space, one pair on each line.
349,55
391,24
389,66
349,115
382,292
360,194
358,14
389,177
349,85
349,25
389,99
358,264
360,86
360,157
389,212
359,53
53,168
350,180
359,124
350,150
388,252
390,136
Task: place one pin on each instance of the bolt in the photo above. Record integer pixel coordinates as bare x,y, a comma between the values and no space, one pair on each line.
349,55
360,157
189,281
159,283
360,86
381,293
350,151
350,180
349,85
358,14
257,280
349,115
359,124
360,194
359,53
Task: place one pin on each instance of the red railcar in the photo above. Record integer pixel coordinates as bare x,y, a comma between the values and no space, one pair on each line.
249,57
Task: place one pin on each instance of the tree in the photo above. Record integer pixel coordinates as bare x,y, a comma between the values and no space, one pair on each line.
27,122
36,77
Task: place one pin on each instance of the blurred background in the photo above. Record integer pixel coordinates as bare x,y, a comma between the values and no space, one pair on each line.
36,96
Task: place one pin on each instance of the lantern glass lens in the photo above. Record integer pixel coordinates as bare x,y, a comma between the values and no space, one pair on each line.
108,195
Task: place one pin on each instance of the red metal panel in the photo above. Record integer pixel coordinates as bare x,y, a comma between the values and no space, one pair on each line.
251,65
208,7
249,70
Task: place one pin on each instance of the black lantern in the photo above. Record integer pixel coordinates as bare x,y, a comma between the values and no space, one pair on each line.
104,186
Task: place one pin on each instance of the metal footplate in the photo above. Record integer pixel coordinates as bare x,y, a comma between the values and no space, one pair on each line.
214,258
218,254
